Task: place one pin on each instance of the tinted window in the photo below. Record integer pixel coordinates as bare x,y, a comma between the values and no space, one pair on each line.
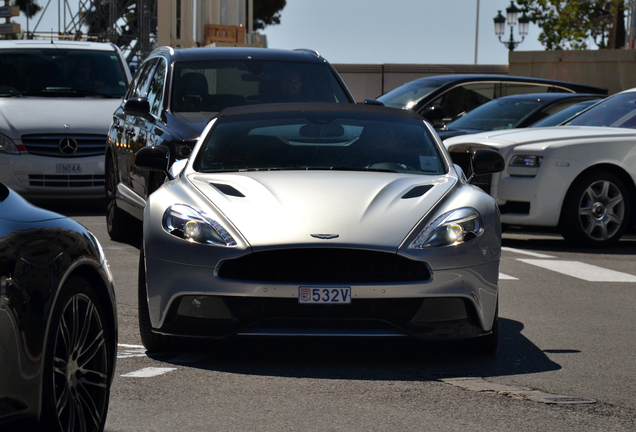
408,95
464,98
141,82
61,72
320,141
496,114
525,88
215,85
155,90
616,111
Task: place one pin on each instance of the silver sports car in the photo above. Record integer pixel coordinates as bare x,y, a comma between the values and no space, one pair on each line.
319,220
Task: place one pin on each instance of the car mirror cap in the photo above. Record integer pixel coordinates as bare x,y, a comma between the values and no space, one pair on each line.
153,158
137,106
487,161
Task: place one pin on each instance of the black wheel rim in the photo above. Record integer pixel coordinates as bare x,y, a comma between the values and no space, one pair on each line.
80,367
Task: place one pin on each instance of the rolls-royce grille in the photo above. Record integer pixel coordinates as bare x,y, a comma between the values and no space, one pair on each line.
324,265
66,180
481,180
65,146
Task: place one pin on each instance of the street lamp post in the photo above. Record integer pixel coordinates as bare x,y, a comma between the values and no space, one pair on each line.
500,26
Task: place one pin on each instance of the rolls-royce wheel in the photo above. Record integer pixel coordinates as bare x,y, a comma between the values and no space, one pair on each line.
78,362
595,210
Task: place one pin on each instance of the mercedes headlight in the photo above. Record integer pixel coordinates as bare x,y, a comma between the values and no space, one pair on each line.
452,228
8,146
195,225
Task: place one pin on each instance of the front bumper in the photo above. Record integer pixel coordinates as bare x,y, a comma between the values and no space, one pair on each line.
194,301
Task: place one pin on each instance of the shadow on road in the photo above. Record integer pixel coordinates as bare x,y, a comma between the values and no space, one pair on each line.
73,207
370,359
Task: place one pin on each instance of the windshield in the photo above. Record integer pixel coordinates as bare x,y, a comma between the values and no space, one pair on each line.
320,141
217,84
496,114
53,72
561,116
407,95
615,111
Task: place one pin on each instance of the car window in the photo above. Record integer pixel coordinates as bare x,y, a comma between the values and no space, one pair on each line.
408,95
496,114
320,142
525,88
156,88
213,85
615,111
563,115
63,72
464,98
141,83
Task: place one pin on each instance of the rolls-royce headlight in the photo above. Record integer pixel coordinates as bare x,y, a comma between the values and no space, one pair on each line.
452,228
529,161
195,225
8,146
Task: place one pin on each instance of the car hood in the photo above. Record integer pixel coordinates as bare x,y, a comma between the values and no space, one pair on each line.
19,116
541,137
358,207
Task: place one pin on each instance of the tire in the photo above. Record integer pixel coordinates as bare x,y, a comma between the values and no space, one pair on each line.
119,224
77,375
595,210
153,342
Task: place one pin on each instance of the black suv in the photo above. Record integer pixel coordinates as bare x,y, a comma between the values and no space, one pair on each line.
442,98
176,92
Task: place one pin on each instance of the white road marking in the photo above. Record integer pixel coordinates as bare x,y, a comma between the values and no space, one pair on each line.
479,385
131,351
506,277
148,372
525,252
579,270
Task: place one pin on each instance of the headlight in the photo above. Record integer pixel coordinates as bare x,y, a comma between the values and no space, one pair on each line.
526,161
452,228
8,146
195,225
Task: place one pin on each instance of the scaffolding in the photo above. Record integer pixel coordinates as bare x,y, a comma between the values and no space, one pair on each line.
130,24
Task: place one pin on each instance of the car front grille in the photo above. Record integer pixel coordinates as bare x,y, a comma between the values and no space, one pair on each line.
66,180
482,181
325,265
65,146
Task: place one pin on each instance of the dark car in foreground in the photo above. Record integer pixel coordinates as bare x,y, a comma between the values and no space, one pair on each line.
442,98
511,112
176,92
335,220
58,321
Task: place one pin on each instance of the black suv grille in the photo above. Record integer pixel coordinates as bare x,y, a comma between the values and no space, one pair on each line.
65,146
325,265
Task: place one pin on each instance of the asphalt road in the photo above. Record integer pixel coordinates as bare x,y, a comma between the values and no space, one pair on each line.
566,362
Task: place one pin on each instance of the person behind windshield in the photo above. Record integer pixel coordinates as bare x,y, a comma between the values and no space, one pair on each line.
290,86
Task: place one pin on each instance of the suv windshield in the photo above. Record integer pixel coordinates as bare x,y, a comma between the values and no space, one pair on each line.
320,141
61,73
616,111
217,84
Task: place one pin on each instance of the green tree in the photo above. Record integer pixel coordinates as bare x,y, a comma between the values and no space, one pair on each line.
571,24
267,12
28,7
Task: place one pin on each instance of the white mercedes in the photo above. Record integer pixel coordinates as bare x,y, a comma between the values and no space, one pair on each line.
56,104
579,177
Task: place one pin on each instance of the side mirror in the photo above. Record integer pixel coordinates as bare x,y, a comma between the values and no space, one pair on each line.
154,158
486,161
435,114
137,106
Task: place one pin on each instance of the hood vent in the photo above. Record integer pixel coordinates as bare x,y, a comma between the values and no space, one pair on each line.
417,191
227,190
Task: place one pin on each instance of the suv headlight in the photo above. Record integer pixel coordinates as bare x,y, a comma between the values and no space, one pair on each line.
195,225
452,228
8,146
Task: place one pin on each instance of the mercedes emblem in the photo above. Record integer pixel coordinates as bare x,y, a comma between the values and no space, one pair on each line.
68,146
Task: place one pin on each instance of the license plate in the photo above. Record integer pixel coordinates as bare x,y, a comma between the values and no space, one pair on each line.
68,168
317,295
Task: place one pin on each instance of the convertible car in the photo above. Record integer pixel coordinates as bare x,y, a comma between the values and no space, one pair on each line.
319,219
579,177
58,321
